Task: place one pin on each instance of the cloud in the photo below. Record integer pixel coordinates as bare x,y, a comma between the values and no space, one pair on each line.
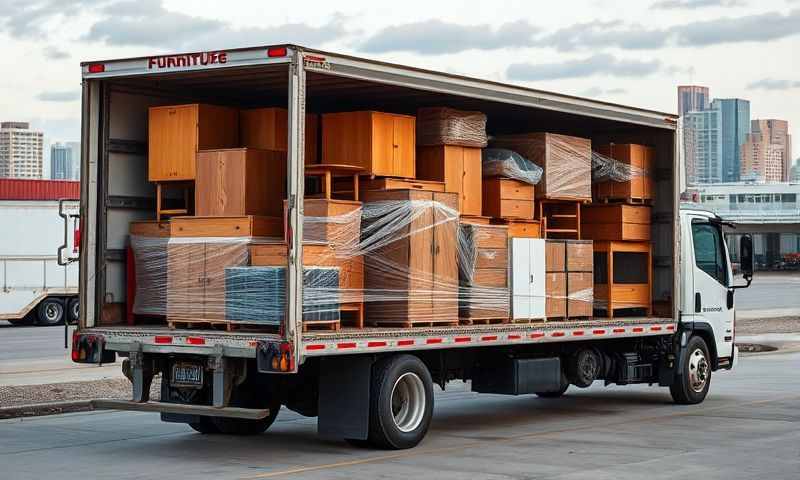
694,4
773,84
594,92
600,64
54,53
433,37
65,96
748,28
148,23
26,18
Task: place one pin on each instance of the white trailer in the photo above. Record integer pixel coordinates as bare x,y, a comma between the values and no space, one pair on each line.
375,384
36,287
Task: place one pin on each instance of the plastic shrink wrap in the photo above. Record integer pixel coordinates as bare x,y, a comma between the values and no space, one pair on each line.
448,126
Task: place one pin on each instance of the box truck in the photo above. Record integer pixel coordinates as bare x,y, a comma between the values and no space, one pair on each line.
369,384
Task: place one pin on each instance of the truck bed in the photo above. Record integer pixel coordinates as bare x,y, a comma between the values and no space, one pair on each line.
161,339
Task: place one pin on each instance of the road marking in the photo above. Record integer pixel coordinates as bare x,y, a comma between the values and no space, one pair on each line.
415,452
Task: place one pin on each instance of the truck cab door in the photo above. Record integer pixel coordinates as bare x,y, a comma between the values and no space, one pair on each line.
712,278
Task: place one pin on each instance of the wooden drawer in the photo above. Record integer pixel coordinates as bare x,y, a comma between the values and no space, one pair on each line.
616,231
519,228
485,236
616,214
150,228
276,255
503,208
248,226
580,256
508,188
388,183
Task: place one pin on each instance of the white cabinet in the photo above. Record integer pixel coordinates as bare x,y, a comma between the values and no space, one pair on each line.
527,278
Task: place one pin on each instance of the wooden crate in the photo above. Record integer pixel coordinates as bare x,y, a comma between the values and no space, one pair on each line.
240,181
266,128
383,144
177,132
566,161
460,170
623,276
507,198
245,226
420,267
615,222
639,189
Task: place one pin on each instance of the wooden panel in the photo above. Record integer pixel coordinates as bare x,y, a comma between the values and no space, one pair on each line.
504,208
487,236
508,188
335,231
640,186
580,292
185,279
524,229
445,259
389,183
218,127
490,277
266,129
616,214
580,256
218,258
172,142
556,293
519,205
471,190
491,258
347,138
150,228
382,161
616,231
404,143
226,226
276,255
555,256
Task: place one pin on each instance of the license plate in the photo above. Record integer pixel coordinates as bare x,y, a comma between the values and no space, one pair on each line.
187,375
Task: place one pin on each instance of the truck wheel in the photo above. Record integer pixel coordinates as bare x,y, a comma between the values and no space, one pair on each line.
50,312
692,384
205,426
556,394
401,402
245,397
73,310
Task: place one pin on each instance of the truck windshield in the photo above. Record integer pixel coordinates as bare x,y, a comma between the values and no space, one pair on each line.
709,254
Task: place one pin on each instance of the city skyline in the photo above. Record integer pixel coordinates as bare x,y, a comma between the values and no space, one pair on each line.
633,56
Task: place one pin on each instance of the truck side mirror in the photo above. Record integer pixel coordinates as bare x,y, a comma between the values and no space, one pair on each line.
746,257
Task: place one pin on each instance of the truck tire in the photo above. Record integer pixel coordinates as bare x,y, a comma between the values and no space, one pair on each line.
401,402
205,426
73,310
50,312
692,384
557,394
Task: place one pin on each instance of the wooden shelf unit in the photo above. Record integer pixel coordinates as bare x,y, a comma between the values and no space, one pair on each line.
611,289
560,218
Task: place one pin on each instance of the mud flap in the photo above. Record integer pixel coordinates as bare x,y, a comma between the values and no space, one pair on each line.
344,384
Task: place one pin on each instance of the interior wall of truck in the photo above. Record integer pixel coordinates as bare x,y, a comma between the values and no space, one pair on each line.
126,194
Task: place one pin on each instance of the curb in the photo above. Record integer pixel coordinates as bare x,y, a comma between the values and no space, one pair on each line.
49,408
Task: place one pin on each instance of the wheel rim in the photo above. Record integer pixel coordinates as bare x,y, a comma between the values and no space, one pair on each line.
51,312
698,370
408,402
76,310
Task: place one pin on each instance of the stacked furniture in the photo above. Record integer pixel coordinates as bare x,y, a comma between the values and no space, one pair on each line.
483,273
628,179
569,282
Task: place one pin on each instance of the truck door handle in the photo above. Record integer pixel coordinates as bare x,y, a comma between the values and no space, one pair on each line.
697,303
730,298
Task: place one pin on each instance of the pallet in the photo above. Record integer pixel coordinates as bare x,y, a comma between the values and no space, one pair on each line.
577,318
223,325
321,325
412,323
627,201
528,321
483,321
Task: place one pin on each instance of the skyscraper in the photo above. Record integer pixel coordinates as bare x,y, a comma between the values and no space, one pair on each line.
703,146
61,162
735,126
692,98
762,160
75,147
20,150
777,132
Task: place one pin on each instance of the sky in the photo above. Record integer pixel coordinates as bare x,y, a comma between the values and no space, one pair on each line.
629,52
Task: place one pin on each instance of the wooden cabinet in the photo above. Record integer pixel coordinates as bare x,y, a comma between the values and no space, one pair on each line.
615,222
240,181
415,277
528,280
383,144
460,170
623,275
248,226
507,198
637,163
267,129
176,133
483,272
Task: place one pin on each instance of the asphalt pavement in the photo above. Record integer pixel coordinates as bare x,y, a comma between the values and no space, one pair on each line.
774,293
748,427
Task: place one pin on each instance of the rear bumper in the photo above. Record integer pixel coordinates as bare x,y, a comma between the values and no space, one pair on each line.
162,407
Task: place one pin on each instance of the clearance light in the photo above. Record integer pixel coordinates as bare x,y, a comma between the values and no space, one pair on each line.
276,52
196,340
97,68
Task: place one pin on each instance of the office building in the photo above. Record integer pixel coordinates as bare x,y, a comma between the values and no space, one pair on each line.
777,132
20,150
703,146
75,148
692,98
735,117
60,162
762,160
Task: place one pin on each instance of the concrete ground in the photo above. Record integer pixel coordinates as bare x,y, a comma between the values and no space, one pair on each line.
772,294
749,427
